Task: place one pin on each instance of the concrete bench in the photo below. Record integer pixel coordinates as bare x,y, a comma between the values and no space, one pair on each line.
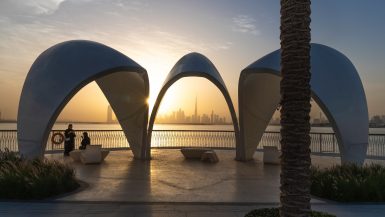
76,154
194,153
271,155
210,156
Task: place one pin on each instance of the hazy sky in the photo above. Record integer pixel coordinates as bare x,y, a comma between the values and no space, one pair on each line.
156,33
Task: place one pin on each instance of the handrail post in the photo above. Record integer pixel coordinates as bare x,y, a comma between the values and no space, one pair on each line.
320,142
52,132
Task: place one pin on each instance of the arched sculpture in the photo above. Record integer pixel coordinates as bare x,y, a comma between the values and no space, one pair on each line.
335,85
194,65
61,71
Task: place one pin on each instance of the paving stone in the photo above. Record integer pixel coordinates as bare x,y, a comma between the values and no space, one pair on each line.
171,186
211,214
160,214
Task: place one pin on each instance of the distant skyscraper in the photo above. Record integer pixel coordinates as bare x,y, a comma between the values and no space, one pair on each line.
196,109
195,117
205,119
212,116
180,117
109,114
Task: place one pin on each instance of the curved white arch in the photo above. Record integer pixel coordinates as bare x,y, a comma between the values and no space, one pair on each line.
194,65
61,71
335,85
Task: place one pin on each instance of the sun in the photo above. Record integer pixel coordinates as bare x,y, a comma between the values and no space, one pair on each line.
158,66
167,105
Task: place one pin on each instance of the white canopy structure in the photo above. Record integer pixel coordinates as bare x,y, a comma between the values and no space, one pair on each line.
335,86
61,71
194,65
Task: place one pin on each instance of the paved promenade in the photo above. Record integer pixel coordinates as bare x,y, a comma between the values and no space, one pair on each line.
169,185
89,209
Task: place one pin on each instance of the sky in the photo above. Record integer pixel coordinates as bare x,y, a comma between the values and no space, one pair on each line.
157,33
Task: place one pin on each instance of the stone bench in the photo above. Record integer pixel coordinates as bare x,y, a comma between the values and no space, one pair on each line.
76,154
210,156
194,153
271,155
203,154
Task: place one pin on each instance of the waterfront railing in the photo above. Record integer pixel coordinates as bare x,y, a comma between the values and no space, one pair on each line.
321,143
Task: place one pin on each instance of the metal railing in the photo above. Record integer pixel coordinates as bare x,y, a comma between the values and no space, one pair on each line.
218,139
321,143
8,139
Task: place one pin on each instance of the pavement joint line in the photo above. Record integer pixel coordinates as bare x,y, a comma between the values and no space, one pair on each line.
144,203
332,203
149,203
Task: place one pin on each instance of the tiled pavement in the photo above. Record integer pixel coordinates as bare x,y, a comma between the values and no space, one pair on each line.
172,186
89,209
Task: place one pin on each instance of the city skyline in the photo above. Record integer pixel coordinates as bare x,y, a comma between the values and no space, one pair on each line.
377,121
179,117
156,34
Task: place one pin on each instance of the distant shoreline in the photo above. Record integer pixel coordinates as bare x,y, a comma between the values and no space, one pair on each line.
7,121
98,122
63,122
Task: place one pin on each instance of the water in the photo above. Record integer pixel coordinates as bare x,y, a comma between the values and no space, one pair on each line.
82,126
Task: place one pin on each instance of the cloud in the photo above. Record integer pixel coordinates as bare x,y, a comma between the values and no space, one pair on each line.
224,46
131,5
107,22
44,7
245,24
28,8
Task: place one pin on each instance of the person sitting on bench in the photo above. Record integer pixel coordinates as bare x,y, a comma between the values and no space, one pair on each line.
85,141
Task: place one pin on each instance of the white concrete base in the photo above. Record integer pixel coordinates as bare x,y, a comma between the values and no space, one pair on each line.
271,155
210,156
194,153
76,155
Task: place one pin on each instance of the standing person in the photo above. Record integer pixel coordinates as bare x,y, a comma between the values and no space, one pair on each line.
69,143
85,141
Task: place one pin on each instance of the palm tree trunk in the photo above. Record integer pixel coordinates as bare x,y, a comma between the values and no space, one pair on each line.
295,102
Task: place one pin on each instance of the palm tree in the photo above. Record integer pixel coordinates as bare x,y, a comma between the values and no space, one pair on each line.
295,108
